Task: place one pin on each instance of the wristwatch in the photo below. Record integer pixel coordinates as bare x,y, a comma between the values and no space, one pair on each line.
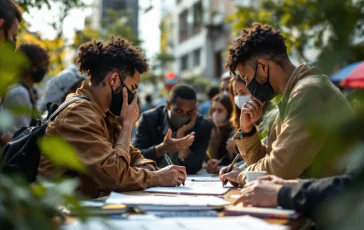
241,135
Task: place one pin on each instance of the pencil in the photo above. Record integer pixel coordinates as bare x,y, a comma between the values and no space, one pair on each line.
231,167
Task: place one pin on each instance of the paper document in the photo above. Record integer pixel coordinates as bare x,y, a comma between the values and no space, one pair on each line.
117,198
261,212
241,223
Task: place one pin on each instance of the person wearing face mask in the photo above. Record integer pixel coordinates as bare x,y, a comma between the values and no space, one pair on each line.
175,129
309,101
218,153
224,83
21,95
100,128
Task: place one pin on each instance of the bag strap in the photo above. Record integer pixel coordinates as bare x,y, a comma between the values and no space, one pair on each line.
64,105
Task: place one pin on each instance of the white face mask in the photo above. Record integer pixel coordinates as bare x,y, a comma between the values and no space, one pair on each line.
241,100
219,117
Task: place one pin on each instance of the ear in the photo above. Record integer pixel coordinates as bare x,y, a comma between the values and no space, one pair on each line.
113,79
263,66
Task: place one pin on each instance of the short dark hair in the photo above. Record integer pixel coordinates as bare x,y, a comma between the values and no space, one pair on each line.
256,41
35,54
182,91
212,92
9,11
97,59
148,98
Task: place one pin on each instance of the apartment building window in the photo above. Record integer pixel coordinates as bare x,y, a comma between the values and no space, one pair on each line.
184,62
183,25
197,57
197,17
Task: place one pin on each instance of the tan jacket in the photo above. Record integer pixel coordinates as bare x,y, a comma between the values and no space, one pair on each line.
93,133
310,101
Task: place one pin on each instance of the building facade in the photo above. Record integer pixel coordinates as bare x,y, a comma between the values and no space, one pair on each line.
200,37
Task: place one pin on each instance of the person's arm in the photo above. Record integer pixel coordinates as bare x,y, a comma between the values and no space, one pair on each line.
193,162
107,165
295,148
18,98
143,139
250,147
138,160
304,197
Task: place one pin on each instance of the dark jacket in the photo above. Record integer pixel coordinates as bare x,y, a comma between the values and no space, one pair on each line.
150,133
306,196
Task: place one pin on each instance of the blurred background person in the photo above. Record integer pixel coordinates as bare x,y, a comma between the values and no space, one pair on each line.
218,153
224,83
204,108
21,95
148,103
175,129
57,88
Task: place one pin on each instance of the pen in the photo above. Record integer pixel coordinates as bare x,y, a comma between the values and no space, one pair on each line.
169,161
231,167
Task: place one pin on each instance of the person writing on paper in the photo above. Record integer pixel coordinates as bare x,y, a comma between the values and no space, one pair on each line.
100,128
175,129
309,99
303,196
218,152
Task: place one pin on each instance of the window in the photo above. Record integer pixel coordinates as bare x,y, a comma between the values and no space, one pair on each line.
183,26
197,17
197,57
184,62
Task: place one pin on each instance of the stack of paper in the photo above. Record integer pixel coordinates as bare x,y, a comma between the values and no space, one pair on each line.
117,198
277,213
241,223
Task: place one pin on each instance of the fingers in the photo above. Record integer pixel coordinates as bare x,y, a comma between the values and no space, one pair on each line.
168,135
222,172
125,97
259,101
182,170
135,99
268,178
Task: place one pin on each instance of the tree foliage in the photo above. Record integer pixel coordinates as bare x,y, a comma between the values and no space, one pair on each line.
329,26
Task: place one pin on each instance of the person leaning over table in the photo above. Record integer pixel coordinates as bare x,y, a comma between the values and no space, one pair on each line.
100,129
309,99
304,196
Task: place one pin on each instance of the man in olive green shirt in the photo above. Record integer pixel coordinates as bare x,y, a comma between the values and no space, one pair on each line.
309,101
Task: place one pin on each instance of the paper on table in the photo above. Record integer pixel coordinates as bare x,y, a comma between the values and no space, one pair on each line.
262,212
241,223
117,198
189,190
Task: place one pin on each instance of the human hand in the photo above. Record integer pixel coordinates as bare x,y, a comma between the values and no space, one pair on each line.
184,128
232,176
129,113
212,165
259,193
250,114
172,175
277,180
175,145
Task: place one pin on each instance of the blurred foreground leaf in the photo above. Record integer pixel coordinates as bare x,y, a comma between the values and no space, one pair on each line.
60,153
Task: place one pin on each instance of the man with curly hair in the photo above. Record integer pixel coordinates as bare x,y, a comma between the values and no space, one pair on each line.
100,128
310,108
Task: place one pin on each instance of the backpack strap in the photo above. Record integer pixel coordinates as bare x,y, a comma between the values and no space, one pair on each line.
64,105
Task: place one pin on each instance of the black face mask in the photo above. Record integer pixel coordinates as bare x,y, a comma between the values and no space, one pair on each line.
263,92
117,99
38,75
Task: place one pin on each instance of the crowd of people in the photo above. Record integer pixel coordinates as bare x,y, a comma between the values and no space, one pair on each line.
195,137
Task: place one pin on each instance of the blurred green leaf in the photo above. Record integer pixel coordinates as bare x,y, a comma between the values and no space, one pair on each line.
60,153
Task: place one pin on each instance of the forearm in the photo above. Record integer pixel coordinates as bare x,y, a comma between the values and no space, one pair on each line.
124,137
250,148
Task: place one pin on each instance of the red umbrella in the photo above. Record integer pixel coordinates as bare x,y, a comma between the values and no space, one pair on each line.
355,79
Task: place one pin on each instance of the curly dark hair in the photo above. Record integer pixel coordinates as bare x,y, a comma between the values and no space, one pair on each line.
260,39
9,11
97,59
36,55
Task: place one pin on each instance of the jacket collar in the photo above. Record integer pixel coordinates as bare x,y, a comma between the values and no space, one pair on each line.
86,91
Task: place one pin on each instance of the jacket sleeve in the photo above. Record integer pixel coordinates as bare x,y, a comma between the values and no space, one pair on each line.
295,148
109,166
143,139
138,160
251,149
307,195
193,162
